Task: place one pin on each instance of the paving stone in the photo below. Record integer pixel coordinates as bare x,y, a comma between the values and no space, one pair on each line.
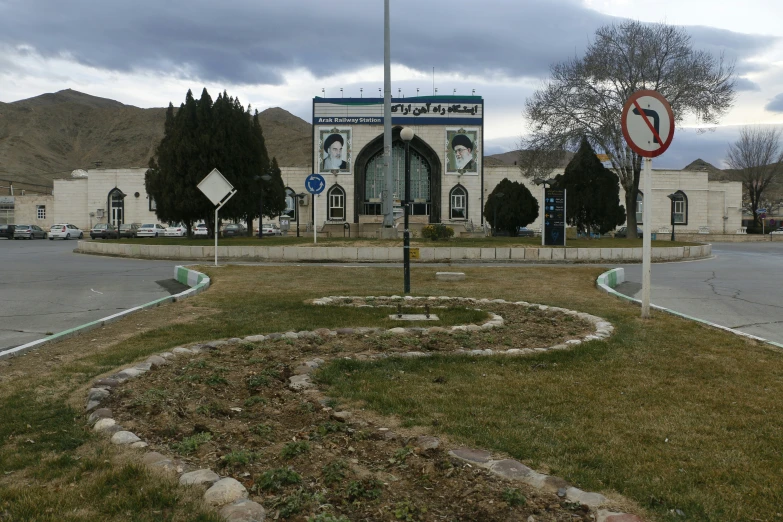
426,443
182,351
145,366
291,335
139,444
437,329
91,405
274,336
152,457
166,465
415,354
234,340
97,394
398,331
216,344
167,355
510,469
243,510
255,338
225,491
345,331
477,456
554,483
300,382
342,416
124,437
157,360
129,373
201,477
592,500
104,424
102,413
110,383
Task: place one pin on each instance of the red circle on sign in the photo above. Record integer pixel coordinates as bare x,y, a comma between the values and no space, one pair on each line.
630,104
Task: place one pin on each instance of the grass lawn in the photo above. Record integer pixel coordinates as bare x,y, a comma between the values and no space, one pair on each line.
476,242
670,414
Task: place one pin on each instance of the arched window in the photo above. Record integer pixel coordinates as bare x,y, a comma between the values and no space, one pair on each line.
680,208
335,198
639,208
116,207
458,203
290,204
375,181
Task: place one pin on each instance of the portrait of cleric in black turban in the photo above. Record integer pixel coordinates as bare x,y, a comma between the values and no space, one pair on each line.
335,149
461,150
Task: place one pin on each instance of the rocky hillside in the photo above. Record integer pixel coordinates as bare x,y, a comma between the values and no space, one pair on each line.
49,136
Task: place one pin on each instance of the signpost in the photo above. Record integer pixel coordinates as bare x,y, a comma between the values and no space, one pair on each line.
219,191
554,217
762,212
647,122
315,184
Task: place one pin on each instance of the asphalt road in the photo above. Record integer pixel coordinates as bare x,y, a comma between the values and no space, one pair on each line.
740,287
46,288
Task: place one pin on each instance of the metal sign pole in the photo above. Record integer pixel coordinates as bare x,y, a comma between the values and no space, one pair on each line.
216,223
646,238
315,219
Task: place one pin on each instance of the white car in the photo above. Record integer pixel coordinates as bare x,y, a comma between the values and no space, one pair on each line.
176,230
150,230
777,232
271,229
201,230
65,231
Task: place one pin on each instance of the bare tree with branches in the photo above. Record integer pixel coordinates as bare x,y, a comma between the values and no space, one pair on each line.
757,156
585,96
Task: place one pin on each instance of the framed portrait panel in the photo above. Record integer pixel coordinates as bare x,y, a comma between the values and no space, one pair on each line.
334,150
462,150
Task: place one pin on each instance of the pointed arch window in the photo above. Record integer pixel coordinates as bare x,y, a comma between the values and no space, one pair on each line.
290,203
458,203
336,204
639,208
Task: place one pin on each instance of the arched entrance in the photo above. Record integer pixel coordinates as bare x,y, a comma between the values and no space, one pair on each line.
116,207
369,177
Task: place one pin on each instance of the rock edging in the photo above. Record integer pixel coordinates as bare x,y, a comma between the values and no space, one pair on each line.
231,497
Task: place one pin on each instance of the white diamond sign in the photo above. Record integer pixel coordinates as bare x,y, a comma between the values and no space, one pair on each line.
215,187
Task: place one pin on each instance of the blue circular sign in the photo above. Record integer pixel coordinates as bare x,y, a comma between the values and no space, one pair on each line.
315,183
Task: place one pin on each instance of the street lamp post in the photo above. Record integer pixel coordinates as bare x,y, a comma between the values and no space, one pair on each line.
495,218
298,199
407,135
674,198
262,177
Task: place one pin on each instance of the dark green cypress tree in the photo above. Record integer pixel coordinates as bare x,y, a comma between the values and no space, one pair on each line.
592,193
515,208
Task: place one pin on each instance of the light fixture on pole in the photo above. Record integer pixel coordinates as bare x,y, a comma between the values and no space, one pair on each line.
407,135
497,195
260,178
323,91
341,92
674,198
361,92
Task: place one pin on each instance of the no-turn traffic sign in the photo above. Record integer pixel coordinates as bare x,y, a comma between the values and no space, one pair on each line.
648,123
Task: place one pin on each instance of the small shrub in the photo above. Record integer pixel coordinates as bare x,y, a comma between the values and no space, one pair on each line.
262,430
252,401
294,503
235,458
408,511
293,449
514,497
277,479
191,444
216,380
437,231
326,428
334,472
327,517
363,490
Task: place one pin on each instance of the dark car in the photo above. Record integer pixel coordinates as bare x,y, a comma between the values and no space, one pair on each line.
129,230
104,231
29,232
624,231
7,231
235,230
526,232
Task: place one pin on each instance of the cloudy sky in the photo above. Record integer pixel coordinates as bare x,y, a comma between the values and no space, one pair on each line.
273,53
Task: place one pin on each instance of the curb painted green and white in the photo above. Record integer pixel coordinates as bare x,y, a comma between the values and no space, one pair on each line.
609,280
197,282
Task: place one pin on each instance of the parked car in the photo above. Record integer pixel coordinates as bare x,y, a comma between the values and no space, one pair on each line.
29,232
271,229
150,230
65,231
7,231
235,230
201,230
526,232
129,230
104,231
175,230
624,230
773,233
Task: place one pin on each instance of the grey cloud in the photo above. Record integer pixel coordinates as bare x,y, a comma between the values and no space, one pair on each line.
255,42
776,104
743,84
